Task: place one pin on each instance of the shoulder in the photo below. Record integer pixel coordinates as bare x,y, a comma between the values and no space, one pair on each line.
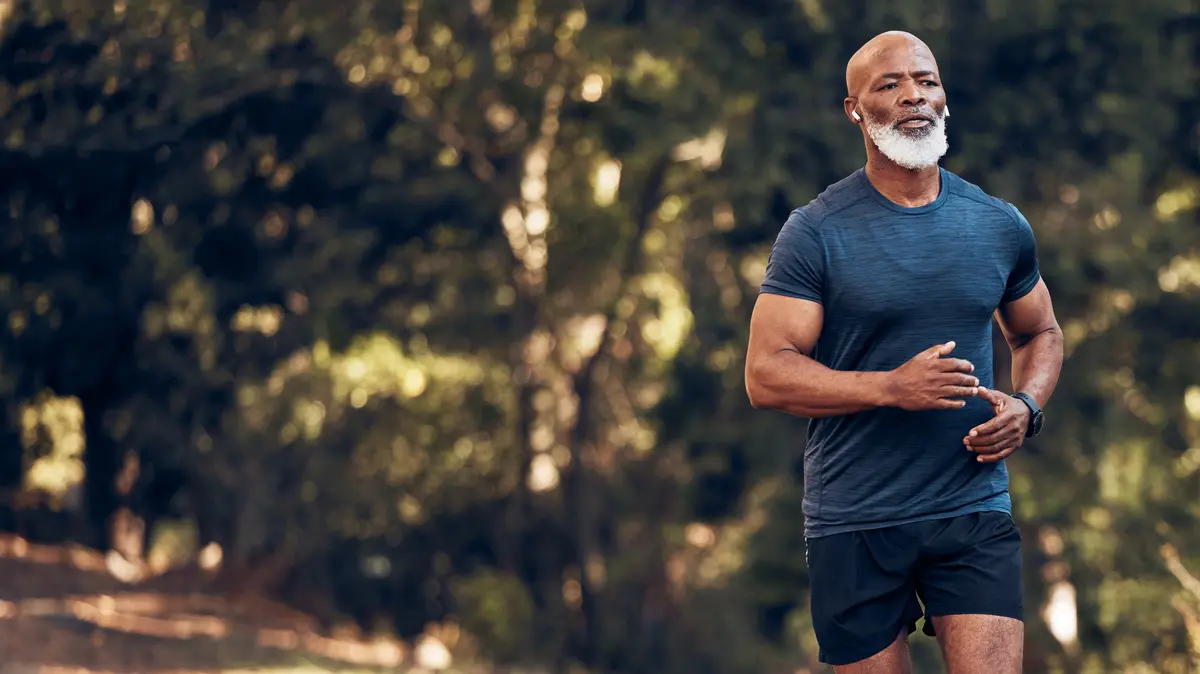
975,197
838,197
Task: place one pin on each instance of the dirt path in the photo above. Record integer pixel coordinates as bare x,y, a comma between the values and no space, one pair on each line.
61,611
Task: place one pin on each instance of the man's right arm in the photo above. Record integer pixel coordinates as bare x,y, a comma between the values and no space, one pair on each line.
781,376
785,325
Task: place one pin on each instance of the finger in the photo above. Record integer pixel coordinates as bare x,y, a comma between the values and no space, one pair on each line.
955,365
998,456
988,427
958,392
958,379
992,396
938,350
946,404
984,440
992,444
977,438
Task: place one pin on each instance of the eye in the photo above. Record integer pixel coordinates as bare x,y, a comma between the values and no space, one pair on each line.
889,85
930,83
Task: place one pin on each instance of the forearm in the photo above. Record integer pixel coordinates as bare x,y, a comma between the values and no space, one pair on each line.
1036,363
791,382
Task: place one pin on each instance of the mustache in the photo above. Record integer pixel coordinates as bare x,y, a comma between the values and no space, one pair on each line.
936,118
922,114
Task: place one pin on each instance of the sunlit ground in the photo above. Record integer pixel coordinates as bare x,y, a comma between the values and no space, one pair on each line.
64,611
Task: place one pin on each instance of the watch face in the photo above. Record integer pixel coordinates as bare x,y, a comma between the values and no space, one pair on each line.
1036,424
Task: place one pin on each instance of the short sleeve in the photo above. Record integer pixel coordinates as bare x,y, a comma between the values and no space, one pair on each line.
1025,273
796,267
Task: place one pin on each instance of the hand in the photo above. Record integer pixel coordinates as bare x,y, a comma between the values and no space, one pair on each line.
1002,434
930,381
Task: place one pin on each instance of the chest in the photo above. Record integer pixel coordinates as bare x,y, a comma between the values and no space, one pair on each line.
921,267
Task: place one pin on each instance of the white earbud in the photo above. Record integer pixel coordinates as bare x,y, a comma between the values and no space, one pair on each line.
854,114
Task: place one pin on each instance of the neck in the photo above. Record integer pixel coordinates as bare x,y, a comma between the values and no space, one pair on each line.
906,187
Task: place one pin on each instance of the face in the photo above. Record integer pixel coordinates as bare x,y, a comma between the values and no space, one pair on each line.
903,106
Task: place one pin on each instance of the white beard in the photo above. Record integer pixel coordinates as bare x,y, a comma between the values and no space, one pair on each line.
914,150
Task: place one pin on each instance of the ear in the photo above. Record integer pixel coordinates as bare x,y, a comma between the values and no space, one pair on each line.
850,104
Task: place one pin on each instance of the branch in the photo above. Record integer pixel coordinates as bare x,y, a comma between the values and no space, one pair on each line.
1175,566
577,485
651,196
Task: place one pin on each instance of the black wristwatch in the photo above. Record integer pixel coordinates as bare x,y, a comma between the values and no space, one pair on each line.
1035,414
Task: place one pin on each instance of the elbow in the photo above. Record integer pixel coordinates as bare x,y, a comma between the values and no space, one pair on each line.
759,394
1057,340
1051,336
1052,331
1056,331
755,394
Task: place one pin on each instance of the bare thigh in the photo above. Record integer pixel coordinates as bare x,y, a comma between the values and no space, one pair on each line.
981,644
895,659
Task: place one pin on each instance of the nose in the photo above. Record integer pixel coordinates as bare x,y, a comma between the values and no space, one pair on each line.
913,96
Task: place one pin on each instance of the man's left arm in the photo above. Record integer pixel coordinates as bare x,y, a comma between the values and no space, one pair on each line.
1036,341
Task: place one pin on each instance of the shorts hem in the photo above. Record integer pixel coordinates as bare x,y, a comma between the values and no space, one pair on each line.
1017,614
850,656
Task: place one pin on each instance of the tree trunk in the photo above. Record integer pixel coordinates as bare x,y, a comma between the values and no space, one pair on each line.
577,484
101,466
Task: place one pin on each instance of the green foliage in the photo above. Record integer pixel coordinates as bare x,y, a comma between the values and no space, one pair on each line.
498,611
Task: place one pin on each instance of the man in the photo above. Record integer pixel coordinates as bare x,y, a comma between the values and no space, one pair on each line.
874,321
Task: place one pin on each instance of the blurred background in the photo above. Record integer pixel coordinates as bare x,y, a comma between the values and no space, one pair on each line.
409,334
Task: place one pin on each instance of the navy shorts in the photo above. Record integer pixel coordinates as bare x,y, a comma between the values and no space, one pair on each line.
866,584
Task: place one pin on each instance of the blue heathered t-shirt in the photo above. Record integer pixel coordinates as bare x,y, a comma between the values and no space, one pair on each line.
893,282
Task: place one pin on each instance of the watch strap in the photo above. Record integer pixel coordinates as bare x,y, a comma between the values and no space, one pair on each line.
1028,400
1035,412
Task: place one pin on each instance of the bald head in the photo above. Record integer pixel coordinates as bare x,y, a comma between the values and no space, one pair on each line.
861,68
894,94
